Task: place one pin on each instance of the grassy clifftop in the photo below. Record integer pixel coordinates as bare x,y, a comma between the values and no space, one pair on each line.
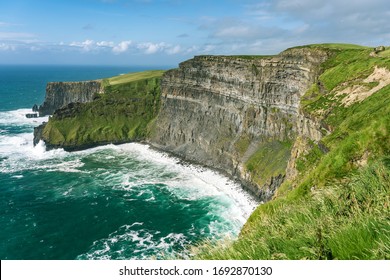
338,204
119,115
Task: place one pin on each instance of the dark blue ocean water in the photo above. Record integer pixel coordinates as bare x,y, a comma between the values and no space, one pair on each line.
24,86
111,202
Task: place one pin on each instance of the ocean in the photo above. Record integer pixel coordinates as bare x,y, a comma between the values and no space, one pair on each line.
124,201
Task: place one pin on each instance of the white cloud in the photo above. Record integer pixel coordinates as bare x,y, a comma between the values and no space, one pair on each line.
87,45
174,50
7,47
90,45
333,16
192,49
35,48
122,47
105,44
162,47
150,48
267,27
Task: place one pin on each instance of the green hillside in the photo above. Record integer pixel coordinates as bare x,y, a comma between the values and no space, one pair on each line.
338,206
119,115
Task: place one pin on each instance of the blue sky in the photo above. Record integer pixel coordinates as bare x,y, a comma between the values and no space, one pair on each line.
165,32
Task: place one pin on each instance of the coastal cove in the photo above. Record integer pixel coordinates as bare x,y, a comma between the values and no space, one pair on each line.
111,202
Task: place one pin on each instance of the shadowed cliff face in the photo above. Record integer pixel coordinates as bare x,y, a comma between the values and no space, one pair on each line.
60,94
226,111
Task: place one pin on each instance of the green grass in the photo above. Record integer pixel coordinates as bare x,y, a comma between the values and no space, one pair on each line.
343,221
344,69
309,160
131,77
350,65
339,46
121,114
385,54
333,46
242,144
270,160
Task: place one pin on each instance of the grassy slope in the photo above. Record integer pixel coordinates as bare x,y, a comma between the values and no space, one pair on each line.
132,77
270,160
338,207
121,114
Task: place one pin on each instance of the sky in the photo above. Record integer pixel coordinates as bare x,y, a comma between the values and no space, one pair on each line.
166,32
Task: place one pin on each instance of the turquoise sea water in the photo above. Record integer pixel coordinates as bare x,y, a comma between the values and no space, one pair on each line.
111,202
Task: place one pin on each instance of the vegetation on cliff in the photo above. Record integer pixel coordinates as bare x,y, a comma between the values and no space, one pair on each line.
121,114
269,161
338,205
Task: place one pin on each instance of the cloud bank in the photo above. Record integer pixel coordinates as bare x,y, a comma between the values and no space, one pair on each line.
251,27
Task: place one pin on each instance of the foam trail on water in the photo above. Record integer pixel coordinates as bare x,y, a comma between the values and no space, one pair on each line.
228,205
16,149
194,182
189,181
137,170
18,117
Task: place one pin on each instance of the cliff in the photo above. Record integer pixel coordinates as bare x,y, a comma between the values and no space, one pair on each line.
307,130
335,200
60,94
237,113
120,112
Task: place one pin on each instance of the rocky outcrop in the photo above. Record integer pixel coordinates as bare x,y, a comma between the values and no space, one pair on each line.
60,94
38,133
219,110
31,115
120,115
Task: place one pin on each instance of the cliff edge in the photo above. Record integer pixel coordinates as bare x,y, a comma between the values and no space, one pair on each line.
238,114
120,112
306,130
60,94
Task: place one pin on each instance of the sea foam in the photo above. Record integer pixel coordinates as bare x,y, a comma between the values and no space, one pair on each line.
137,170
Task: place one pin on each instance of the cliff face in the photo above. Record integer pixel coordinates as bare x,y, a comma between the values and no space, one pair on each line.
60,94
229,112
315,118
121,114
237,114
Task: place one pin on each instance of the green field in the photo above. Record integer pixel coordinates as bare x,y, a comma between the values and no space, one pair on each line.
132,77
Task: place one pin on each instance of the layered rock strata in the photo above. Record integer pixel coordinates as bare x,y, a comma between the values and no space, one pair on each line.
221,111
60,94
238,114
